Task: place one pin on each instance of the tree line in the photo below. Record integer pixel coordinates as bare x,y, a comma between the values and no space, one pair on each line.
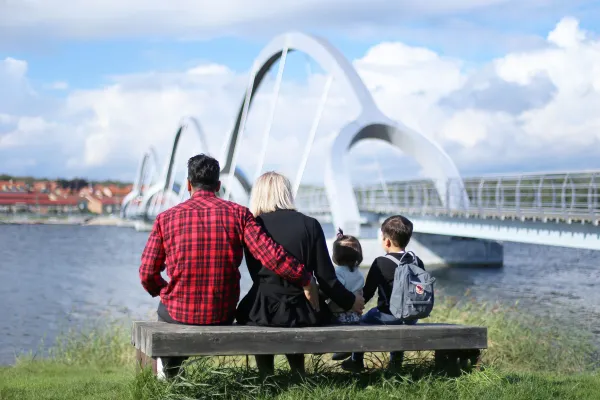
73,184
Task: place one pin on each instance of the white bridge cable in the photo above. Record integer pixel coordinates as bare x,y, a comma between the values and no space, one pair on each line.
312,133
382,180
267,133
308,65
240,133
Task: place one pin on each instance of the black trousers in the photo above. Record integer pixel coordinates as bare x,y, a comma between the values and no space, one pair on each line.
172,365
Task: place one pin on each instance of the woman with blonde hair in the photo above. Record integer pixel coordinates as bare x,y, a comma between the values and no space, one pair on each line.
273,301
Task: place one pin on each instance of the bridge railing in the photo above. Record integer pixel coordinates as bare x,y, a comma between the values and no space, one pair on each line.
565,197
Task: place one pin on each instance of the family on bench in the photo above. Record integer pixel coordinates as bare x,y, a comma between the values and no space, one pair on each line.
201,243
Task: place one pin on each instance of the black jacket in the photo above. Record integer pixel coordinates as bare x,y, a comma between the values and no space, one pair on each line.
272,301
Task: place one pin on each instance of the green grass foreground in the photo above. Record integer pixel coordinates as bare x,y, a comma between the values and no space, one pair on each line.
527,359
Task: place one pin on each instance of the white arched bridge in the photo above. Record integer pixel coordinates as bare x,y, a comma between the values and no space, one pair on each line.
560,209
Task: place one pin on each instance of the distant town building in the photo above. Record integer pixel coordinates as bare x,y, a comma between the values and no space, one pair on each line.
48,197
13,186
103,205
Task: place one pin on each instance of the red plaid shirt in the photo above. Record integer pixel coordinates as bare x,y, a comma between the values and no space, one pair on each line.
200,243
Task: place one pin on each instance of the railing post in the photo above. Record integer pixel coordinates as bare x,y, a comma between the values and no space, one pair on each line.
480,196
563,195
518,197
447,194
499,200
425,198
540,194
592,194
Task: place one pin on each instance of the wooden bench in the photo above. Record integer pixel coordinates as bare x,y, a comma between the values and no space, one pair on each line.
455,346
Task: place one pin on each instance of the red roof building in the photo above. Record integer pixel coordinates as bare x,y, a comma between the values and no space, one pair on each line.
39,202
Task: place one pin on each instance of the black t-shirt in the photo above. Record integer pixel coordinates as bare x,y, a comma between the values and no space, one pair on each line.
381,278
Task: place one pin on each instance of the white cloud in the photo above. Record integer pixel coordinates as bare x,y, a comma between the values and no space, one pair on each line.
526,110
59,85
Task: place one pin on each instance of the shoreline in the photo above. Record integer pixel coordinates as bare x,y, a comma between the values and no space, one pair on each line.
68,221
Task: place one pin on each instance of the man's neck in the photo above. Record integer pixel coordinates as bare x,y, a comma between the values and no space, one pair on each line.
194,191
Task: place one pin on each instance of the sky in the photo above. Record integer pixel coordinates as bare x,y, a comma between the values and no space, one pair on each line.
503,86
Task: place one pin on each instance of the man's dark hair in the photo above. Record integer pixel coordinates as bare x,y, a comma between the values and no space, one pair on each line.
203,172
398,229
347,251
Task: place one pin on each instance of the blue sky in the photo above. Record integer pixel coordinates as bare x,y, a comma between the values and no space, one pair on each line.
79,81
89,63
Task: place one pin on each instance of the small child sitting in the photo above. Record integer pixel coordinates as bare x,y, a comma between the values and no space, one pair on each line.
347,255
396,233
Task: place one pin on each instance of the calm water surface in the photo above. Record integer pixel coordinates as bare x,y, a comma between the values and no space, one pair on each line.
59,277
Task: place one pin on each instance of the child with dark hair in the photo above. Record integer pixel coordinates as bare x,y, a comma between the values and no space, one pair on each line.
396,232
347,256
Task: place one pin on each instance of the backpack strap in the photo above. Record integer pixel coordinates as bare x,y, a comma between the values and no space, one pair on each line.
394,259
414,256
398,262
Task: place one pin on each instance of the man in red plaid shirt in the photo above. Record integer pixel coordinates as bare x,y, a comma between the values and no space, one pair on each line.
200,243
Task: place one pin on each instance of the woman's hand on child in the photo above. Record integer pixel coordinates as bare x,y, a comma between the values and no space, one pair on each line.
359,304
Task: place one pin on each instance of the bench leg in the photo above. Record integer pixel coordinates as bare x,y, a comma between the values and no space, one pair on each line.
143,361
265,364
454,362
296,362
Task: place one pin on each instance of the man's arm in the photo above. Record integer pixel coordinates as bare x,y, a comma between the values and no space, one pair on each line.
153,261
271,255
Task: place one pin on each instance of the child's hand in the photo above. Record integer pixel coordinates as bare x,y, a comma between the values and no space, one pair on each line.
359,304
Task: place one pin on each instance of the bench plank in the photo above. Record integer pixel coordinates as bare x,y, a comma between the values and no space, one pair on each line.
159,339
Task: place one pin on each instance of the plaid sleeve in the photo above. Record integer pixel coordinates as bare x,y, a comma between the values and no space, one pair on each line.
153,260
271,255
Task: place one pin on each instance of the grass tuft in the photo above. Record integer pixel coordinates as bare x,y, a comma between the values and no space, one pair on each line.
518,341
99,345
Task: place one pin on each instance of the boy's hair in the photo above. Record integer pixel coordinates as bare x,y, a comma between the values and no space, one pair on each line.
347,251
398,229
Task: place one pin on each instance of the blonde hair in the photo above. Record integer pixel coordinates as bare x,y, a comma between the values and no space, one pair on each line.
271,191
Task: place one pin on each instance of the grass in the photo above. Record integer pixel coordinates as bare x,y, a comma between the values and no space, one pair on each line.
237,383
528,358
50,380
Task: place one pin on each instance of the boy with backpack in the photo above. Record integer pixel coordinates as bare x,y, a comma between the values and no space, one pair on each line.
405,290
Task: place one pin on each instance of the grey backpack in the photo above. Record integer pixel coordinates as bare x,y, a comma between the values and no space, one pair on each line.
412,293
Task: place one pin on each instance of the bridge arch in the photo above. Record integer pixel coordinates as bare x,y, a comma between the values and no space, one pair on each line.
148,162
164,187
329,59
370,124
436,163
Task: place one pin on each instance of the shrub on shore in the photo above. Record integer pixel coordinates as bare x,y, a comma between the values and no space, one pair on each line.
522,342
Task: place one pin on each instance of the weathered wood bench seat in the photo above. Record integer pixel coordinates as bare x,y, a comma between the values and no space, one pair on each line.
452,343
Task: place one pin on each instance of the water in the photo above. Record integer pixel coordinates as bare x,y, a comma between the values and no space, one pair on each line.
59,277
